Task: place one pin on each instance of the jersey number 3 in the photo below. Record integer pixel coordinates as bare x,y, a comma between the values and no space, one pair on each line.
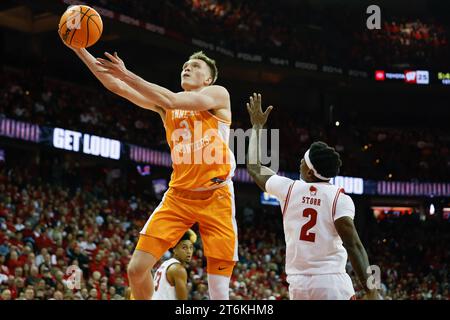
157,279
304,234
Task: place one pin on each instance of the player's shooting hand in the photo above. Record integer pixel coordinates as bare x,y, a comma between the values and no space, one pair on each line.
114,66
66,44
257,116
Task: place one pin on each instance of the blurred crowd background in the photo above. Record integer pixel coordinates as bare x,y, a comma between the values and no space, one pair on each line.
46,226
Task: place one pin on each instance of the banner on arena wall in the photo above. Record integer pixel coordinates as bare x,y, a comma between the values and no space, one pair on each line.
86,143
358,73
407,76
332,69
422,77
306,65
443,77
210,46
20,130
93,145
268,199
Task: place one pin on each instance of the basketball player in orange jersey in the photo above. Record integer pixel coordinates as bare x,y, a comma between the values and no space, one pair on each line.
171,277
197,122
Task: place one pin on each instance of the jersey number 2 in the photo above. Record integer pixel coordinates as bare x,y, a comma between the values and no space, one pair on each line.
157,279
304,234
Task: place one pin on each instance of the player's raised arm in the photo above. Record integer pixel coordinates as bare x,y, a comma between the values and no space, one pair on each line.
178,274
204,97
356,253
258,118
114,84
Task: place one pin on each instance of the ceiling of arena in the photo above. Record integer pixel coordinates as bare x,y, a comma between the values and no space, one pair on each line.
40,16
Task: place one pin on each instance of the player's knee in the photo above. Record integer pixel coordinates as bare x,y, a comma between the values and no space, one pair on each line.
134,270
139,266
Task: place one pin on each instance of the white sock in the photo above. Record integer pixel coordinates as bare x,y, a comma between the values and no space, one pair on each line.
219,287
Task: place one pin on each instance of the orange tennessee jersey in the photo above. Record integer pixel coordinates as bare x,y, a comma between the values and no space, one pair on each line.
201,157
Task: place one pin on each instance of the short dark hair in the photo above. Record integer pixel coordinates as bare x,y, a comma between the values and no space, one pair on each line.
210,62
325,159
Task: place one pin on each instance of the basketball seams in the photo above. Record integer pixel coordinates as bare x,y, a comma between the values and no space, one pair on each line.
87,31
88,26
95,15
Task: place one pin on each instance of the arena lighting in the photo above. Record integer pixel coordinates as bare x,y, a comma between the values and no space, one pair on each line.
351,185
381,212
446,213
268,199
144,170
432,209
379,75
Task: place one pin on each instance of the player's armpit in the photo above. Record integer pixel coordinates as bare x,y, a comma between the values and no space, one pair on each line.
178,276
279,186
209,98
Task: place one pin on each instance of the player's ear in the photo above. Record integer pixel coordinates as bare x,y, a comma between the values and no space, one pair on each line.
310,174
208,81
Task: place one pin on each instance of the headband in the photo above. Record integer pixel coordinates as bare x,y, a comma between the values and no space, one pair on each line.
310,165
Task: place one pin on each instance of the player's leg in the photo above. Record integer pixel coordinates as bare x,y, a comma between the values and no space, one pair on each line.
139,275
218,230
162,231
298,293
298,287
219,275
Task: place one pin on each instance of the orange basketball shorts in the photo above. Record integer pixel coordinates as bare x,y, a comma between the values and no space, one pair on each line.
214,211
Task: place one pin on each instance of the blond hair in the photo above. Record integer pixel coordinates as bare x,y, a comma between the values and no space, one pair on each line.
210,62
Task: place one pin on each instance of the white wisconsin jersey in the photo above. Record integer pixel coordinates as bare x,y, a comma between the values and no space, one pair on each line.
313,245
163,289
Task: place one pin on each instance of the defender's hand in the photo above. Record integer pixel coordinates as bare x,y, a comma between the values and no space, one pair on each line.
257,116
114,66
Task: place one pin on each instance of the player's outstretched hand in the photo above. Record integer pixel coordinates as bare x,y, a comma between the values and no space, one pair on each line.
114,66
257,116
67,45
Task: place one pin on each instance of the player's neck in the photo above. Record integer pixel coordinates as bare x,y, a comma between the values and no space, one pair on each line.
194,89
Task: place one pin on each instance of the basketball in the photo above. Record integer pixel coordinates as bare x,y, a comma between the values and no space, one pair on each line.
80,26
